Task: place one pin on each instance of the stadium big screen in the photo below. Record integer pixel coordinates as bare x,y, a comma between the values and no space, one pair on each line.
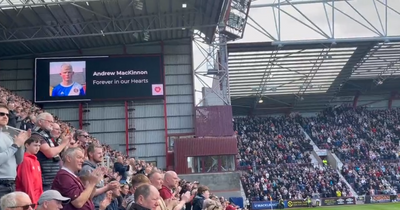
98,78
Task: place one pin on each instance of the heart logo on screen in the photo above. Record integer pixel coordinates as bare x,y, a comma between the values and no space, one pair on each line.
157,89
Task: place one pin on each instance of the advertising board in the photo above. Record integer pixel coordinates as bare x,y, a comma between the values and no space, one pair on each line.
338,201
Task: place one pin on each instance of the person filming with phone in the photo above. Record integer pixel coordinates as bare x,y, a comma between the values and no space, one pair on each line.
49,153
11,153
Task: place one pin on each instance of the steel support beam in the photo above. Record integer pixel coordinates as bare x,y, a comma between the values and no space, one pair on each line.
4,4
224,75
90,29
313,71
293,2
293,14
355,100
360,55
391,99
339,40
382,76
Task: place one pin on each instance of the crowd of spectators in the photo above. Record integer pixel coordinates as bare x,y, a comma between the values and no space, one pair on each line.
292,181
269,140
275,156
356,133
66,167
23,115
366,141
372,177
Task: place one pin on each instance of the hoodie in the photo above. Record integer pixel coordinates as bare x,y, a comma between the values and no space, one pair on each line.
88,167
29,177
198,202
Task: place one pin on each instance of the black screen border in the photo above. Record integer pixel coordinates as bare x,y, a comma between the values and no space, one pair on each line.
162,71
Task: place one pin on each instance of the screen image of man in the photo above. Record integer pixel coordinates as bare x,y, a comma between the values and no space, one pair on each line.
67,87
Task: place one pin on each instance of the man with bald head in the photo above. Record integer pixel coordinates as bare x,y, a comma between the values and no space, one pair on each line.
171,182
157,180
49,153
146,198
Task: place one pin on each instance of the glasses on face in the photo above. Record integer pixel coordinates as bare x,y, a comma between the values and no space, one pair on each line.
51,122
2,114
86,136
26,207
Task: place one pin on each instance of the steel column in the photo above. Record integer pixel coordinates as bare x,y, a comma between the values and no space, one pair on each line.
126,128
355,100
167,160
224,77
392,97
80,115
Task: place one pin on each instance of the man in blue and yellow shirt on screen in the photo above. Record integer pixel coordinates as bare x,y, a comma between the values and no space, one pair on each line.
67,87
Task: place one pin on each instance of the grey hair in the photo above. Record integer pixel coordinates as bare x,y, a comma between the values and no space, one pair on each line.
142,190
10,199
67,65
78,133
43,116
70,152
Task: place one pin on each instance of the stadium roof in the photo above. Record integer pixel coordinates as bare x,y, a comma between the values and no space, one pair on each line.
307,77
32,27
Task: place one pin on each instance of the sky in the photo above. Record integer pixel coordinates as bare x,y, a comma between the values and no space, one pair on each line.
370,13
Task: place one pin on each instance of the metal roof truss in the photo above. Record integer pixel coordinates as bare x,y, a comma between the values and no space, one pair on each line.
297,71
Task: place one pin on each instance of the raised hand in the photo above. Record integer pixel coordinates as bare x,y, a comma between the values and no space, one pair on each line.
171,203
66,138
185,197
22,137
107,201
113,185
96,176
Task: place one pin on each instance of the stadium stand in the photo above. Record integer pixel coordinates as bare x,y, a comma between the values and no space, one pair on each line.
271,141
273,153
365,140
292,181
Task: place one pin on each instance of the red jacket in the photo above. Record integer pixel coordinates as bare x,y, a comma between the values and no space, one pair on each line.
29,177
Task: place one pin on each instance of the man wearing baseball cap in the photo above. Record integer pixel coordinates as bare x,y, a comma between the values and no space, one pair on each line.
52,200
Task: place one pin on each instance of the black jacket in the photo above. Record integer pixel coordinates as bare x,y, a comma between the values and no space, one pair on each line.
12,120
198,202
135,206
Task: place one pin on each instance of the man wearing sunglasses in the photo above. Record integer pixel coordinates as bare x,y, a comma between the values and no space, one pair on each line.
16,201
11,153
82,138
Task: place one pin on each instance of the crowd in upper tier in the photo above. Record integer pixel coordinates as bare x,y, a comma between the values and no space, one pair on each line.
366,141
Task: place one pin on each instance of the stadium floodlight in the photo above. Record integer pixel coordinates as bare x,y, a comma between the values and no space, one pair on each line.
146,36
139,5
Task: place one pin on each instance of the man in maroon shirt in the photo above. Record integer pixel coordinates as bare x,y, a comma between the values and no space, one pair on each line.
171,182
69,185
